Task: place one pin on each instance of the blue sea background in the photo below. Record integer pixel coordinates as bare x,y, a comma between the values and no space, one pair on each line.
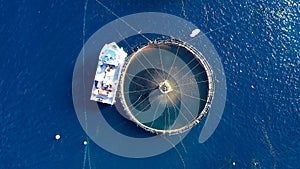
258,44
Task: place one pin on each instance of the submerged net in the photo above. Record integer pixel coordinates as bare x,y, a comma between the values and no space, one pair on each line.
166,86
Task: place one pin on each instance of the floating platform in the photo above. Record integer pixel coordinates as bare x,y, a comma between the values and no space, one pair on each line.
111,60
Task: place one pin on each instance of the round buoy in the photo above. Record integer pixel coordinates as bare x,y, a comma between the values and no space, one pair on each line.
84,142
233,163
57,136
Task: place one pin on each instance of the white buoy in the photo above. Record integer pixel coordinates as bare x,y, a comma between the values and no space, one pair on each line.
194,33
233,163
84,142
57,136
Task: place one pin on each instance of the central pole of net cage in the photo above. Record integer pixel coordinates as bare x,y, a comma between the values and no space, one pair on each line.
165,87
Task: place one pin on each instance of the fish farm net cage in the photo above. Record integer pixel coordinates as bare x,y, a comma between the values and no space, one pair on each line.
166,86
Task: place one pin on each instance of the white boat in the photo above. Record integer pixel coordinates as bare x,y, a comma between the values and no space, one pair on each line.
111,60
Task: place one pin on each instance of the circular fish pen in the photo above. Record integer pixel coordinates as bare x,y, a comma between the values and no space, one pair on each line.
166,86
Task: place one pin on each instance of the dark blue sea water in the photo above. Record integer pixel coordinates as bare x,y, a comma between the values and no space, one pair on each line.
258,44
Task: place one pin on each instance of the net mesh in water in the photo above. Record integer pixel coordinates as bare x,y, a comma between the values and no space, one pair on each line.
166,86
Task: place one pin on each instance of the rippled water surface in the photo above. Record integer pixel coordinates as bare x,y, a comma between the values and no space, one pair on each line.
258,45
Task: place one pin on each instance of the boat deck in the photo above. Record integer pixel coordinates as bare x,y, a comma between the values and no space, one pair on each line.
106,79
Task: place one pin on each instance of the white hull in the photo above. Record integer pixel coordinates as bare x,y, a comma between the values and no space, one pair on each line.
111,60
